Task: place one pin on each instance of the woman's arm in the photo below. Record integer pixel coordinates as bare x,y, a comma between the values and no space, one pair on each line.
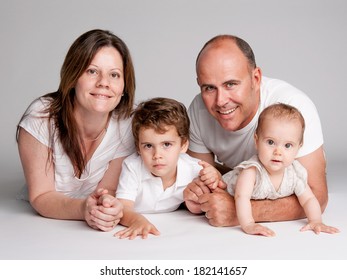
39,176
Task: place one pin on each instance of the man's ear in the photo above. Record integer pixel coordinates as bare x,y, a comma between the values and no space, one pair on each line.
256,78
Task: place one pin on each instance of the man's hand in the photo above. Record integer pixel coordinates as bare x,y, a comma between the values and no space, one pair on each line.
219,207
192,193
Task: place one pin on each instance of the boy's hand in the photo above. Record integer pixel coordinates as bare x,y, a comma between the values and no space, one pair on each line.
140,227
209,175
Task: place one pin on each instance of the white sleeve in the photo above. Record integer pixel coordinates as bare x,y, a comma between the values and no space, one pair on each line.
123,138
36,123
313,136
274,91
128,182
196,143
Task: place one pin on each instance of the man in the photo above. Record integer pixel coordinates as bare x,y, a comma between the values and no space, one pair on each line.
223,120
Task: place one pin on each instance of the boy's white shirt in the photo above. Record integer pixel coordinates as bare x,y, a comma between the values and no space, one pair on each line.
137,184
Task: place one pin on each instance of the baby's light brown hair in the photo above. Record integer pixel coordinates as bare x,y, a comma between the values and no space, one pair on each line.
281,111
158,113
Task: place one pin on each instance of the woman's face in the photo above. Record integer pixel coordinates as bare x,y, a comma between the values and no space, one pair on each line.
101,86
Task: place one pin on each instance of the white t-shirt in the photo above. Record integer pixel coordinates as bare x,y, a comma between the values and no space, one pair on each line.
233,147
117,142
137,184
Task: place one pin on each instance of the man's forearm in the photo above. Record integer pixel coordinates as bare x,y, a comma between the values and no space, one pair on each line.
221,168
283,209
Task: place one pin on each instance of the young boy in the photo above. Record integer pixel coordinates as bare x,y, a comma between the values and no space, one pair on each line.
153,179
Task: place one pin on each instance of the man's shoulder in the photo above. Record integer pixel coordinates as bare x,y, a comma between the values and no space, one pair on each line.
273,85
276,90
197,102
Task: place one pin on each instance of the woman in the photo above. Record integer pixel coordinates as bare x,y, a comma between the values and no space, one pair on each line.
72,142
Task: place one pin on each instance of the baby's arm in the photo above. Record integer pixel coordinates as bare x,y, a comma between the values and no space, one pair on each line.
313,212
209,175
243,193
136,223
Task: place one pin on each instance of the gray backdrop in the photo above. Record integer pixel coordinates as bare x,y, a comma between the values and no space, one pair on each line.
302,42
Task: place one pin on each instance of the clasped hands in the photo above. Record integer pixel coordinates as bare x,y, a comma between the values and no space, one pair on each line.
102,211
207,193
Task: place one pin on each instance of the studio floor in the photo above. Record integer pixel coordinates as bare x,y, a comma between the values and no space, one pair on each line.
28,236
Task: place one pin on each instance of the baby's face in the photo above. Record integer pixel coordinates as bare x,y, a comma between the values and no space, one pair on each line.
160,151
278,143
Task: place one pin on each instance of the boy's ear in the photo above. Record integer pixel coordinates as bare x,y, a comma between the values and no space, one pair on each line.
184,147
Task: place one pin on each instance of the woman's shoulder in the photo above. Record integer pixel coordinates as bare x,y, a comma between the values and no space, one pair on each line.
120,123
38,107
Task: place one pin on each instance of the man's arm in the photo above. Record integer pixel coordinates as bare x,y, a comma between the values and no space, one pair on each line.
315,165
209,158
220,206
289,208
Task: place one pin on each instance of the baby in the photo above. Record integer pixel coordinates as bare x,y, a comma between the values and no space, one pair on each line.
274,173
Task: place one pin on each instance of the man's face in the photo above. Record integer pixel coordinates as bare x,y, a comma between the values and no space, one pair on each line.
229,87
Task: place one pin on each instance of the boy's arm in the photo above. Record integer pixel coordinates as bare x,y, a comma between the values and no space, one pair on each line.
136,223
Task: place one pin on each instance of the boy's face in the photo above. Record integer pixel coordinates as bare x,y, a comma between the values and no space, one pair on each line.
160,152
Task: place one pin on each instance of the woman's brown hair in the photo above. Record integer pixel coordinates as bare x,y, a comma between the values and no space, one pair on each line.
60,109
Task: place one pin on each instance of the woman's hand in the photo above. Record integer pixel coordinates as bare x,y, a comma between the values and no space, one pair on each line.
102,210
